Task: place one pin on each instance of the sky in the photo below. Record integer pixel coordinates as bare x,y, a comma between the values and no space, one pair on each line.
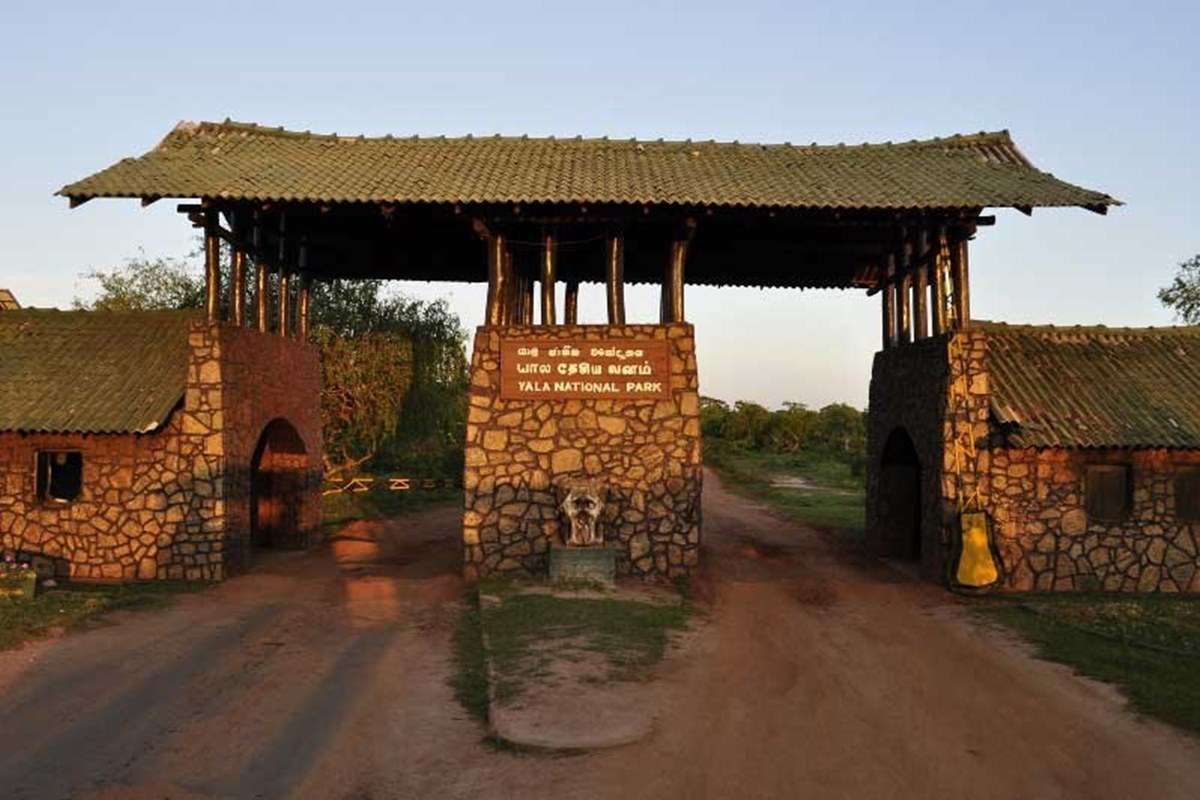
1102,94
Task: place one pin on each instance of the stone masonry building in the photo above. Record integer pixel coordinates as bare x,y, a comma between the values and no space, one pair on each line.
145,445
1082,445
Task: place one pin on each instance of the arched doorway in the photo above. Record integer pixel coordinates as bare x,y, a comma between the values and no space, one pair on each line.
900,496
278,472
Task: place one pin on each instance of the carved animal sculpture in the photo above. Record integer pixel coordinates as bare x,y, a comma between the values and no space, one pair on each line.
583,505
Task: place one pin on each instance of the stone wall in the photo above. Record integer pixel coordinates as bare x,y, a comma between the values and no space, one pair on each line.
173,503
1047,541
937,391
521,452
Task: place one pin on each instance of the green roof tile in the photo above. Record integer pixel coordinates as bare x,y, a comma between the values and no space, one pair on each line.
240,161
91,371
1096,386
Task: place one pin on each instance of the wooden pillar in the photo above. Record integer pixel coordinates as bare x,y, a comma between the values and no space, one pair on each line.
960,273
571,304
672,293
285,304
285,300
549,276
941,257
262,285
615,279
527,300
304,310
889,303
920,304
498,288
237,269
303,294
904,293
212,266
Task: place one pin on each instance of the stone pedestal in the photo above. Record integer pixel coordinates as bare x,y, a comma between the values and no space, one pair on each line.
596,564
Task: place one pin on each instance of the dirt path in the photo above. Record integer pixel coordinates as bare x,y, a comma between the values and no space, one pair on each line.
324,674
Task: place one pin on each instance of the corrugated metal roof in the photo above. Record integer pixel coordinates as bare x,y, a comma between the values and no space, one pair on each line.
91,371
1096,386
240,161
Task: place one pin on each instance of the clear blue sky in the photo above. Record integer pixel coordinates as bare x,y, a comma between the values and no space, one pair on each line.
1103,94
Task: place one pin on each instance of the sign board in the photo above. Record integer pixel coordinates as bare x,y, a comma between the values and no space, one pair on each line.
608,369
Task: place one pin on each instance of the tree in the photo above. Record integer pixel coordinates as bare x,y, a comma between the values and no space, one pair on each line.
1183,295
146,284
713,415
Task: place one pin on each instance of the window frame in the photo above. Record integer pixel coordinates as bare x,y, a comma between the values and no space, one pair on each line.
42,483
1127,501
1183,474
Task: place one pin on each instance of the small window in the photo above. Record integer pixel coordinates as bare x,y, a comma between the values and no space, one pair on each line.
1107,491
59,476
1187,495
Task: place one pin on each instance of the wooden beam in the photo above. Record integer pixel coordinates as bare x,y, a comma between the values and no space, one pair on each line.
571,304
497,281
1026,210
150,200
75,201
920,304
549,276
212,267
614,263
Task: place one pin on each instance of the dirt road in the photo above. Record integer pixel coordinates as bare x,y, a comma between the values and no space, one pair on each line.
323,675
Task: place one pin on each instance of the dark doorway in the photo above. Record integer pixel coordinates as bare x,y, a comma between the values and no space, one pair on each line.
900,496
277,486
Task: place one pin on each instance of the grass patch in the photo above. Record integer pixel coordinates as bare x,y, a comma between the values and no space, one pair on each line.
528,632
338,509
835,500
78,606
469,679
1148,645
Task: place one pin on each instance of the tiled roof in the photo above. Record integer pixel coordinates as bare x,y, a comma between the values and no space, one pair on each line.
91,371
240,161
7,301
1096,386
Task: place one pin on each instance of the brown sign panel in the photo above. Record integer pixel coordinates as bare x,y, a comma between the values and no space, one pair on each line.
609,369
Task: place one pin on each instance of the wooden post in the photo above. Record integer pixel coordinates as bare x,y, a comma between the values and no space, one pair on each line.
672,296
238,269
921,288
303,298
212,266
498,288
940,258
261,281
285,304
889,303
615,279
526,300
904,293
512,297
571,304
960,273
549,275
305,303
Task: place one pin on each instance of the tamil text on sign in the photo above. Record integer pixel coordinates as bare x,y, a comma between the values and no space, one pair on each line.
608,369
